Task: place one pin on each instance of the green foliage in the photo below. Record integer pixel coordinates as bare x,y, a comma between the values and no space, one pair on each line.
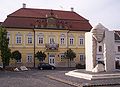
40,56
16,55
5,51
69,54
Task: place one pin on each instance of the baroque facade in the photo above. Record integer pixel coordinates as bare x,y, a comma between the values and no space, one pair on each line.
51,31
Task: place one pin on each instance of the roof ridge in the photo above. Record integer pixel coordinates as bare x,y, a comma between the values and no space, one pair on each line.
56,10
47,9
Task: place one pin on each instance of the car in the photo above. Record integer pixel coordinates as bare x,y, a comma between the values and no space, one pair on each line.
44,66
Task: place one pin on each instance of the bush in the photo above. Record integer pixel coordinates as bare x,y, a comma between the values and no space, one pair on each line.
80,66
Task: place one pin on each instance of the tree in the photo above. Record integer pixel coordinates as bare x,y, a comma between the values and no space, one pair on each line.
70,55
16,55
5,51
40,56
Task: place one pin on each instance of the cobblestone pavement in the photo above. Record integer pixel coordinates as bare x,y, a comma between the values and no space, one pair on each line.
32,78
49,78
84,83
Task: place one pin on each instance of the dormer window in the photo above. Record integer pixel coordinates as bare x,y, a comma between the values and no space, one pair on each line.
51,22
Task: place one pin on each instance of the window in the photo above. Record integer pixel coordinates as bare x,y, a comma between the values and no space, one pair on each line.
100,48
51,40
81,57
62,40
71,41
29,39
81,41
118,48
117,58
19,61
62,57
51,22
8,36
8,39
29,58
18,39
40,40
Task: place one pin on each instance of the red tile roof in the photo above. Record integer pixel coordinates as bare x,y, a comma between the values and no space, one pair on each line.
25,17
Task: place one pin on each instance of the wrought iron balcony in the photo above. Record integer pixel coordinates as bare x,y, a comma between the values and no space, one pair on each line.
51,46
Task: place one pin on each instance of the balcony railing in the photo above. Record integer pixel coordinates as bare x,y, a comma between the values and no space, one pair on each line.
51,46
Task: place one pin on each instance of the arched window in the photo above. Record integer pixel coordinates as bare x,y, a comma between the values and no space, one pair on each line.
71,40
29,38
18,38
62,39
40,38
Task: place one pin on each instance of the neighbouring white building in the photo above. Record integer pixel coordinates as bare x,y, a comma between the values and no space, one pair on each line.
116,48
102,46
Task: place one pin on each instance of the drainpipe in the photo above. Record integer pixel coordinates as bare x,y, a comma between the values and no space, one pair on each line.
34,45
68,44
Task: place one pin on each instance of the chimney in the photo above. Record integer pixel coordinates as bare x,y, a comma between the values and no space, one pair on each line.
72,9
24,5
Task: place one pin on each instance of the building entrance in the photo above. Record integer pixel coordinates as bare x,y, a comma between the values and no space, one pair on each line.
52,59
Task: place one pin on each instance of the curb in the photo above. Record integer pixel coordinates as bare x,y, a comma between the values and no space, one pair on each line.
64,81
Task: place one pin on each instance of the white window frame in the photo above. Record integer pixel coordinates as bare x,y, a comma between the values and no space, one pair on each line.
82,57
29,39
100,48
118,48
62,40
29,58
71,41
40,40
62,56
81,41
51,40
18,39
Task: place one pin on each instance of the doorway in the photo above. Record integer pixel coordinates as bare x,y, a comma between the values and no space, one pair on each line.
52,59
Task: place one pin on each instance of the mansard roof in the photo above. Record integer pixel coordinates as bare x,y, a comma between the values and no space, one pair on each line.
26,17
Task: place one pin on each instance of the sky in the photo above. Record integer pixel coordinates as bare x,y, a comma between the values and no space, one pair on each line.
106,12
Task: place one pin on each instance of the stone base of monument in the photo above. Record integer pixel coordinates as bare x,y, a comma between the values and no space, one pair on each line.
94,76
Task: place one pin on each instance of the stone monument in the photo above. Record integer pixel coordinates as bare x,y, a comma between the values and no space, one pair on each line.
100,34
94,70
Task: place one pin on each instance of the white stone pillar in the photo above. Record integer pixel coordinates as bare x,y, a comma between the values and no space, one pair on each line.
89,51
109,53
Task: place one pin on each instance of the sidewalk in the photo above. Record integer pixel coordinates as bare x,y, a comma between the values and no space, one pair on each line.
77,82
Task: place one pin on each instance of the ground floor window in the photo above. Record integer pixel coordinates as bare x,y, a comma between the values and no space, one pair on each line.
18,61
82,56
62,56
29,58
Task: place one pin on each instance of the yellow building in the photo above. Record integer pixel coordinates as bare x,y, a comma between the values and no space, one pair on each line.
50,31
